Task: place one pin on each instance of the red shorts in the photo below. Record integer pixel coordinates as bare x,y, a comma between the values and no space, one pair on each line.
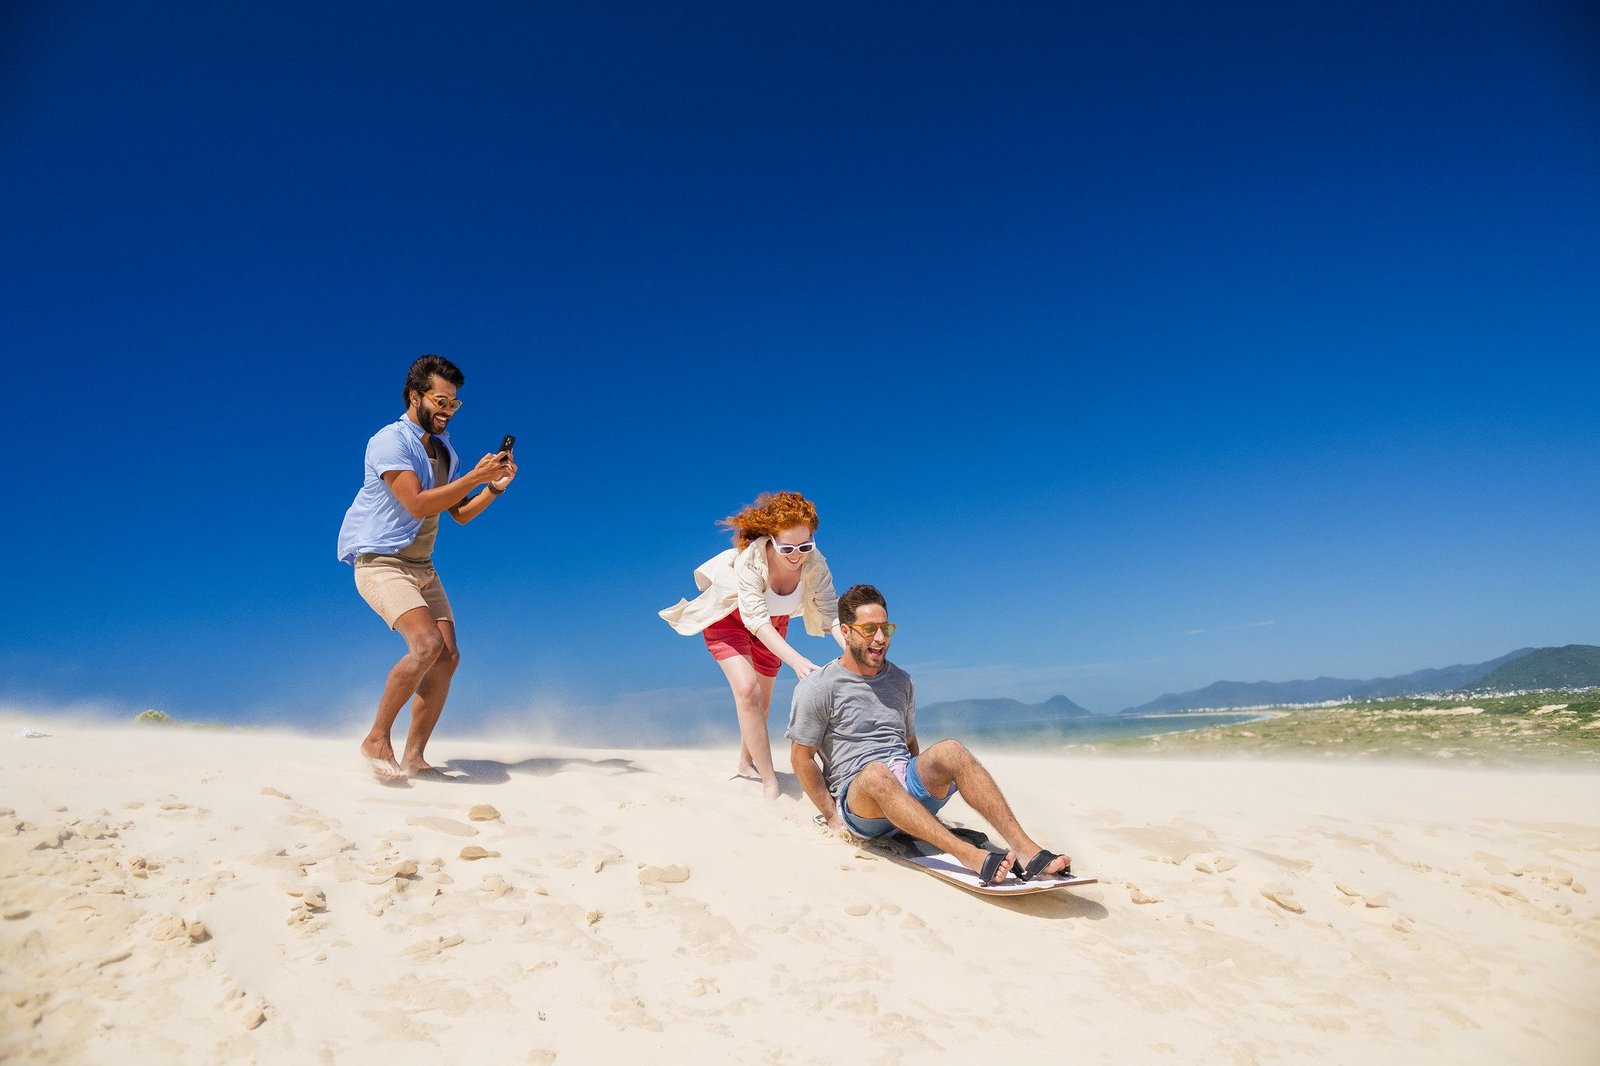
729,637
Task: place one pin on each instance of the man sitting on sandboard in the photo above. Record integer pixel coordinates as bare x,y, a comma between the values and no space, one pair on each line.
852,728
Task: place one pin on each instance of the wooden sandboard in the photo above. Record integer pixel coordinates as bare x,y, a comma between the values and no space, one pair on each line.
920,855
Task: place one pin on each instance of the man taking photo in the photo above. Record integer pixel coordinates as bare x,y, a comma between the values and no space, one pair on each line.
412,476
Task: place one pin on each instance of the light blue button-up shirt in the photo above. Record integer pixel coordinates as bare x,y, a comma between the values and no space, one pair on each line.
376,522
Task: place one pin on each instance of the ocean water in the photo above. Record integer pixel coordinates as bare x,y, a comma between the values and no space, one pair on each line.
1070,732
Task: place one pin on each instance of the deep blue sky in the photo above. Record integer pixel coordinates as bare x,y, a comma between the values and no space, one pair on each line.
1125,350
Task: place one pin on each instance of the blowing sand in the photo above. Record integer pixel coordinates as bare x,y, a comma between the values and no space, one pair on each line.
190,896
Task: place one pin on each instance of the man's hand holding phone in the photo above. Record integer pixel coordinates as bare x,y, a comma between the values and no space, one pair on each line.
507,467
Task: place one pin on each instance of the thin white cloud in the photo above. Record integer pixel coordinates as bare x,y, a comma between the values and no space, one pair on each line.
1230,629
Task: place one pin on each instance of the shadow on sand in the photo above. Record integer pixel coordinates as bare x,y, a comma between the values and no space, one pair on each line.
1059,905
788,784
494,772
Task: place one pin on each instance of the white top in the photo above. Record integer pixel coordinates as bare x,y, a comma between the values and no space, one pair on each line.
781,604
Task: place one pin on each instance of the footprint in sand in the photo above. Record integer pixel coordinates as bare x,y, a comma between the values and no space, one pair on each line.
310,821
1493,887
663,875
1493,865
443,825
1138,895
631,1014
1217,865
924,932
427,949
1354,895
278,857
383,873
171,927
311,896
1552,876
310,902
1283,897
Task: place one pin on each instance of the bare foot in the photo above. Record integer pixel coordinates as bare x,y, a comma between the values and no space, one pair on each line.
745,775
419,768
380,758
771,789
385,771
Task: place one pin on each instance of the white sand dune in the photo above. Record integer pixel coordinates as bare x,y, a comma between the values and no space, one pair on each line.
188,896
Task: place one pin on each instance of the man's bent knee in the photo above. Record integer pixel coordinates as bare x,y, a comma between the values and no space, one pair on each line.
948,751
864,795
425,648
941,765
876,776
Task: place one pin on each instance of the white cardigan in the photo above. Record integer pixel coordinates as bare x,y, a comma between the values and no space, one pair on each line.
741,577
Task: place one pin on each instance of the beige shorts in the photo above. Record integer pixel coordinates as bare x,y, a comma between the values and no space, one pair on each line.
392,586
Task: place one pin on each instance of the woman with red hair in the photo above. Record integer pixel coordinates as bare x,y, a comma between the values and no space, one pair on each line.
747,595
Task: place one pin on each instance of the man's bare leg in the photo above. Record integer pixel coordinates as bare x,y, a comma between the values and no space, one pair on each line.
876,793
424,644
752,696
428,704
949,763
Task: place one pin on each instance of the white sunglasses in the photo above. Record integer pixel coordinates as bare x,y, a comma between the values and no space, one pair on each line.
790,549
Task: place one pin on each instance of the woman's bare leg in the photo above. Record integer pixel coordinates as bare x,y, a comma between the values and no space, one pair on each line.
752,696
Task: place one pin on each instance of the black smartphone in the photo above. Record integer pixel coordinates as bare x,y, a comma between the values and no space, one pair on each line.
509,443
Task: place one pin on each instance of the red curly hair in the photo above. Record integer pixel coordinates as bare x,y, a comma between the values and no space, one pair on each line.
772,513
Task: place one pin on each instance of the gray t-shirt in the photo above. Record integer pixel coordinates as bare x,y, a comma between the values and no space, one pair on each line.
853,720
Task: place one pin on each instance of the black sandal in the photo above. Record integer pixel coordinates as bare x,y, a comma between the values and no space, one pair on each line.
993,869
1038,863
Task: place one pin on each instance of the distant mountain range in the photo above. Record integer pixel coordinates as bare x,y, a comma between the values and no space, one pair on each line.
1572,666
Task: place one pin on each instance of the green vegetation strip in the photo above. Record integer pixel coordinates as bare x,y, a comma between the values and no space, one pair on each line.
1551,727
